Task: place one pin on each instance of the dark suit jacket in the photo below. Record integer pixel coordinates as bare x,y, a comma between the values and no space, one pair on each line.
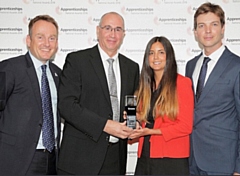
215,140
21,113
84,103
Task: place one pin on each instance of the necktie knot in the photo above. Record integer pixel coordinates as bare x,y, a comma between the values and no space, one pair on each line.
110,61
206,60
44,67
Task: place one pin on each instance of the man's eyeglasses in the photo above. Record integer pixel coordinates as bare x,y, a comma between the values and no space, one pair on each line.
108,29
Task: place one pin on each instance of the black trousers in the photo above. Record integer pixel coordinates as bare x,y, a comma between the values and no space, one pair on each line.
159,166
111,165
162,166
43,163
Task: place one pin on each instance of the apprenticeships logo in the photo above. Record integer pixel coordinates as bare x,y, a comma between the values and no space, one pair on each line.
137,10
71,10
11,30
9,50
233,20
74,31
193,51
67,50
181,62
233,41
169,21
92,41
178,41
93,20
135,51
104,2
140,31
11,10
191,10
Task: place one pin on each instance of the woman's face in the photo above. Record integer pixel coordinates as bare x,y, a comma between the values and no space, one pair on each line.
157,57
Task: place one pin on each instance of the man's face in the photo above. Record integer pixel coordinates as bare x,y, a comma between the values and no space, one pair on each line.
110,33
209,31
43,42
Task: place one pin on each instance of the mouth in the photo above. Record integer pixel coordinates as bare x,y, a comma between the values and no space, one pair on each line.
208,38
157,63
45,50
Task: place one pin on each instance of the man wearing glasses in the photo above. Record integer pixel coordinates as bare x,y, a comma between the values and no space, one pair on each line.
93,85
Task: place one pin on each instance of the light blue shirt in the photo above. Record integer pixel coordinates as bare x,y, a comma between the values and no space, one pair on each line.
37,64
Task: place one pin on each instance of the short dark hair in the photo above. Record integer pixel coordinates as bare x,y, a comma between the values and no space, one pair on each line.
41,17
209,7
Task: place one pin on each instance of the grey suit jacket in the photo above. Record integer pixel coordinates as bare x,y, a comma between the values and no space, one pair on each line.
215,140
20,113
84,103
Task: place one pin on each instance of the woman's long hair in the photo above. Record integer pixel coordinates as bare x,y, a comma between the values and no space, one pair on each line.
166,102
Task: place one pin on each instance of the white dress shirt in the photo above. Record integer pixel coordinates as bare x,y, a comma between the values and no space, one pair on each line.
211,64
37,64
116,69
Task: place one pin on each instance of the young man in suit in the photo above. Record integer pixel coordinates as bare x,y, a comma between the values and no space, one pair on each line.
215,140
94,143
27,121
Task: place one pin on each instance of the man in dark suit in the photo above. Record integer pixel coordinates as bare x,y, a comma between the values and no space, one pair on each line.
93,143
215,140
24,148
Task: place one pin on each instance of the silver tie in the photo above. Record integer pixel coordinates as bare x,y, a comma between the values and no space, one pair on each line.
113,90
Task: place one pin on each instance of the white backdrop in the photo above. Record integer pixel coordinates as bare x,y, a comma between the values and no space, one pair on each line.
144,19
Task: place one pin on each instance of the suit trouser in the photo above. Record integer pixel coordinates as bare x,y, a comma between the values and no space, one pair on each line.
195,170
111,165
43,163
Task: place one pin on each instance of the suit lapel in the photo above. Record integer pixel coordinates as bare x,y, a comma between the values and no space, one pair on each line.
190,71
97,64
216,73
31,72
54,75
124,77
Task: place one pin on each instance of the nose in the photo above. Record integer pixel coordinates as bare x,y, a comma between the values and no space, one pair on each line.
46,42
208,29
155,56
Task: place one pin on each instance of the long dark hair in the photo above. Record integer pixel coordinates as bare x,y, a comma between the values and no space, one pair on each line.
166,103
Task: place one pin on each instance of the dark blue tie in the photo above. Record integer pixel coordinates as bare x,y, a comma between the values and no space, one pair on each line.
48,127
202,76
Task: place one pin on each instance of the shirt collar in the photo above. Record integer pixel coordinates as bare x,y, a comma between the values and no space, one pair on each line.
37,63
216,54
105,56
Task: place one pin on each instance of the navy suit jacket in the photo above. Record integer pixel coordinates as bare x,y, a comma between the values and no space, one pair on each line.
20,113
84,103
215,140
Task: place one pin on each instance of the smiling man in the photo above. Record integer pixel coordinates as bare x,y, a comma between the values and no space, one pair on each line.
215,140
95,136
29,122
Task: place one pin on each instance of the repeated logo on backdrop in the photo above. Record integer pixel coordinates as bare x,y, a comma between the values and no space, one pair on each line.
78,19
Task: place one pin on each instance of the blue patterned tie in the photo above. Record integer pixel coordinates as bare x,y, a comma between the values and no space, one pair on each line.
113,90
48,127
201,78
